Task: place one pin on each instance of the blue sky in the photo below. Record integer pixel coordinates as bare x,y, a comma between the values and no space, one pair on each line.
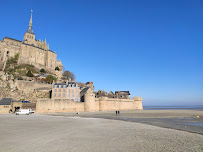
151,48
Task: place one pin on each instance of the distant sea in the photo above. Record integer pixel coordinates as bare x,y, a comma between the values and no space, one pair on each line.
194,107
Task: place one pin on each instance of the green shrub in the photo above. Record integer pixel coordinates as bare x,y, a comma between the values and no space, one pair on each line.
16,56
29,74
42,71
57,68
50,79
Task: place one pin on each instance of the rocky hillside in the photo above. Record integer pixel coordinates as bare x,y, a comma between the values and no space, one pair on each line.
21,89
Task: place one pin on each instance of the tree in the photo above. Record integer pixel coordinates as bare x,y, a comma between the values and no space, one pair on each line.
80,84
57,68
50,79
67,74
29,74
42,71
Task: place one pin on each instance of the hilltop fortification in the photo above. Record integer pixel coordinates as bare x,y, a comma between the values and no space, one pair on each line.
31,51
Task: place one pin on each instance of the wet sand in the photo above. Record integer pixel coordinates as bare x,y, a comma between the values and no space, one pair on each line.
185,120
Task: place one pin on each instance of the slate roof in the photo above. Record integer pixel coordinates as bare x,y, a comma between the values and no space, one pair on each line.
122,92
83,92
69,83
6,101
12,39
30,30
60,84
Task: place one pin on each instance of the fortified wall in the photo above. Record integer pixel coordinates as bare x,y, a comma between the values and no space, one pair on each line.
90,104
30,86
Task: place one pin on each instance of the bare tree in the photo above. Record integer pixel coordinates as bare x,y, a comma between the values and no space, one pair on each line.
67,74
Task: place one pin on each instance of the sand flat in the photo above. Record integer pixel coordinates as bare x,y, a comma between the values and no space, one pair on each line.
36,133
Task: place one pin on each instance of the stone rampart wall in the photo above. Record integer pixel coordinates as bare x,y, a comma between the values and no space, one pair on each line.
53,106
90,104
112,104
29,86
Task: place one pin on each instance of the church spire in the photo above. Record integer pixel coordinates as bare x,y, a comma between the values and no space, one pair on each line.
30,25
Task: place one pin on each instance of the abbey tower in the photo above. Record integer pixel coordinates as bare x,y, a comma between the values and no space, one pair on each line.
31,51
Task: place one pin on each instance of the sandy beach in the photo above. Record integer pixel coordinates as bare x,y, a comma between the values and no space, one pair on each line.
71,132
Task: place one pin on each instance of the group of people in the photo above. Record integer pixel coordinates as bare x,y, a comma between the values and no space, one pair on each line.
118,112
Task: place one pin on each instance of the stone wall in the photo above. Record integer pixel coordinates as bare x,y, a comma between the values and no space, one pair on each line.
112,104
23,105
30,86
90,104
53,106
5,108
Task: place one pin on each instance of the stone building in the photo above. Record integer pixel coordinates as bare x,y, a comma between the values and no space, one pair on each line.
68,90
122,94
117,94
31,51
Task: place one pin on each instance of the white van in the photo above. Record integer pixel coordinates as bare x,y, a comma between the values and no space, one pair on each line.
31,111
23,112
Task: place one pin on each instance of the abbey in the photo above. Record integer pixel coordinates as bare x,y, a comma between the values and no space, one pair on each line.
31,51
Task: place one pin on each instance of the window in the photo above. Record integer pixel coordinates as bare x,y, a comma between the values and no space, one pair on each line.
59,86
76,94
59,90
76,90
72,94
69,90
27,36
55,90
54,94
69,94
64,94
64,90
59,94
73,90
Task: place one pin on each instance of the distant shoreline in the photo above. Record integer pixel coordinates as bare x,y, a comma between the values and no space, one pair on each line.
191,107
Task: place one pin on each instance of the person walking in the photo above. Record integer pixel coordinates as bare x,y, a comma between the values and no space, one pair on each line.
116,113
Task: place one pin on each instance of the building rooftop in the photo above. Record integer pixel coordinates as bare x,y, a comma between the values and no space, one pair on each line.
6,101
122,92
73,84
12,39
